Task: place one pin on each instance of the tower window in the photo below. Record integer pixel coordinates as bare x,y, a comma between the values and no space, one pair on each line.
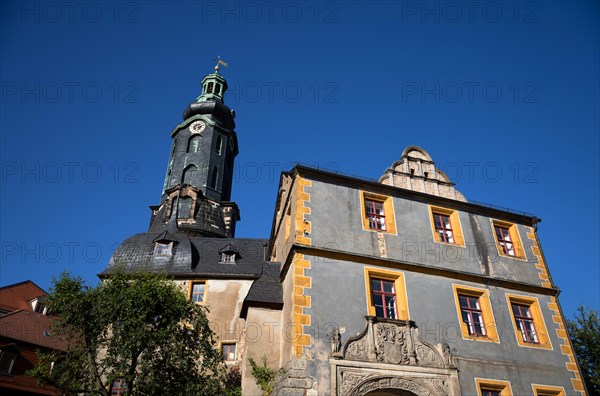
173,148
194,144
218,89
219,145
213,178
185,208
190,174
210,88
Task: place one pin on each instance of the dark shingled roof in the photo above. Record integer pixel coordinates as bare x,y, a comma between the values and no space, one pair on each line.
266,291
200,257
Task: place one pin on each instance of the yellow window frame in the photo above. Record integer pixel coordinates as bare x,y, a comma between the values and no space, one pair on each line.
388,207
191,290
485,384
547,390
457,233
399,286
486,309
538,321
515,237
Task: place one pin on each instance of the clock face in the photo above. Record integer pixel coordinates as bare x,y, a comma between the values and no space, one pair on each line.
197,126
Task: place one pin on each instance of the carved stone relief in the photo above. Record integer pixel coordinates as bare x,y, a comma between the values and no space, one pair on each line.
393,342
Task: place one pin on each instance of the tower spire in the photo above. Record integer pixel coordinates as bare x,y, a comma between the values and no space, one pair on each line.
197,189
214,85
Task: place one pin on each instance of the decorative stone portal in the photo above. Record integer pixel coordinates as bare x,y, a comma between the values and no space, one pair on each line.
389,358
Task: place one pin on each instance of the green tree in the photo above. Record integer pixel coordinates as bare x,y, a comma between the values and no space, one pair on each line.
140,328
585,335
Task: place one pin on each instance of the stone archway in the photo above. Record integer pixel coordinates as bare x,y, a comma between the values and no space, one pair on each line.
396,386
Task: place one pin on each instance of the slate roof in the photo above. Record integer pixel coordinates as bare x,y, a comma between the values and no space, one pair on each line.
33,328
266,291
200,257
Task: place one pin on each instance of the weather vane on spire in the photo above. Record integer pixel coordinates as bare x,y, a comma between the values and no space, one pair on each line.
219,62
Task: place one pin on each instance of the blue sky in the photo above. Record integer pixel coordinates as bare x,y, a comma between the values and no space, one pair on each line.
503,95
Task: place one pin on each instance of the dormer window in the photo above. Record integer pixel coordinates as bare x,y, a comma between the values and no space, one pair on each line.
229,254
228,258
38,305
163,248
8,356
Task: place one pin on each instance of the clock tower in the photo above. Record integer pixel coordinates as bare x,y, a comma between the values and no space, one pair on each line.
197,188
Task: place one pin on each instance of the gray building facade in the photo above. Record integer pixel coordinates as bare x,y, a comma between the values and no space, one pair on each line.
394,287
403,287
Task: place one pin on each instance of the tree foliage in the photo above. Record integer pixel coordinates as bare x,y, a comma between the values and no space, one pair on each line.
138,327
585,335
263,375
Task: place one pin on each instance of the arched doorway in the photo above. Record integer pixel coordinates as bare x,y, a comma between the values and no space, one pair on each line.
395,386
390,392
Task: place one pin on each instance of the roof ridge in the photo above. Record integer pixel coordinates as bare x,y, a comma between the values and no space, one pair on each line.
22,283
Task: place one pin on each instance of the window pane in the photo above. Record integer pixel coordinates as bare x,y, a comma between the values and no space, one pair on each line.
388,287
391,307
377,299
474,302
465,316
6,362
463,301
198,292
375,284
379,311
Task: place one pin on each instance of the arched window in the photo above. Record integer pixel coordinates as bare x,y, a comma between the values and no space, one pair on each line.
194,144
217,88
167,180
213,178
173,148
219,144
189,174
185,208
210,87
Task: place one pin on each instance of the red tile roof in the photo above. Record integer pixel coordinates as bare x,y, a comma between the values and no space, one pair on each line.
30,327
18,295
